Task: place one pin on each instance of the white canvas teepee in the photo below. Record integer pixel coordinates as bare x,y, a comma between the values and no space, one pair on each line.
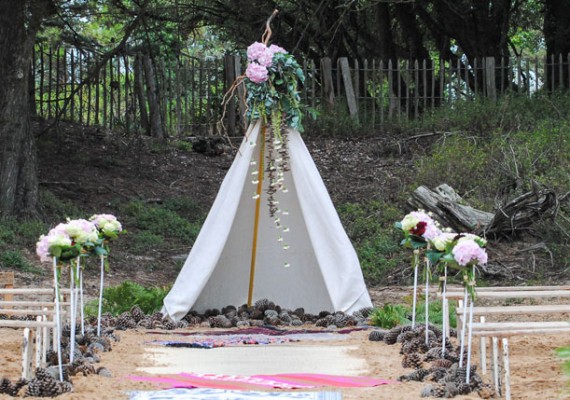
324,272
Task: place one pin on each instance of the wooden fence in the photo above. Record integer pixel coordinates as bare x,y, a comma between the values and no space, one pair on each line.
182,98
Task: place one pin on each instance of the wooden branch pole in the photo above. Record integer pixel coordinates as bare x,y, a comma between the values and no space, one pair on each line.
261,144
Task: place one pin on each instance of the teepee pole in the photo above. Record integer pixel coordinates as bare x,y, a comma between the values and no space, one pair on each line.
257,209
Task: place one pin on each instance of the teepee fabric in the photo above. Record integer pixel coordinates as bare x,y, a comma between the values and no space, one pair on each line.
323,273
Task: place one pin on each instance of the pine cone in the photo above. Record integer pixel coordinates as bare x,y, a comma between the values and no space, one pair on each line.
486,391
441,363
136,313
418,375
376,335
412,360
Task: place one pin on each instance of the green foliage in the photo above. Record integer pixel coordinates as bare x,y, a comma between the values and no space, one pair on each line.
183,145
119,299
497,150
401,314
13,259
22,233
186,208
390,315
369,226
160,221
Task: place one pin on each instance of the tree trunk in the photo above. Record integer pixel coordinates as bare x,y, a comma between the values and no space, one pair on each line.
139,89
557,38
19,21
157,129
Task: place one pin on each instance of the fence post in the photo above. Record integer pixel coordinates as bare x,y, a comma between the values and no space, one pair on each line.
349,89
229,73
490,78
328,87
240,93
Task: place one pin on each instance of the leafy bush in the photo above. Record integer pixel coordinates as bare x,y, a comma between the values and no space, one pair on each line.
57,209
119,299
390,315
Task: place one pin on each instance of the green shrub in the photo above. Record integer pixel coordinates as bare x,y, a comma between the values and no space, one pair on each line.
13,259
564,353
370,228
119,299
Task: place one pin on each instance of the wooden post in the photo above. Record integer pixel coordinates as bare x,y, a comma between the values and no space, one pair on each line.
349,89
230,77
7,282
507,369
483,350
490,78
495,351
27,354
328,86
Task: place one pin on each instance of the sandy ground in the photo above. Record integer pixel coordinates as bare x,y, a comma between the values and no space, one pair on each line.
536,371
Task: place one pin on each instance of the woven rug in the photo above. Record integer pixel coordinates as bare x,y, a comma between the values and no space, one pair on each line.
217,394
278,381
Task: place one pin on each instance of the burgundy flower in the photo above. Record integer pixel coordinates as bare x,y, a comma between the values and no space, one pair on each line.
419,229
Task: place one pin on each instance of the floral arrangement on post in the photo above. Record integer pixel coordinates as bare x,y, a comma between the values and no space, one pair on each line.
66,244
444,248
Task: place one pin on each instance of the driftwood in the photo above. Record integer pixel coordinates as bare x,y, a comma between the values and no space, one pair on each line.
513,218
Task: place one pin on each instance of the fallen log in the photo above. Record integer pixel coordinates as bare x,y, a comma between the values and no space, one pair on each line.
447,210
516,216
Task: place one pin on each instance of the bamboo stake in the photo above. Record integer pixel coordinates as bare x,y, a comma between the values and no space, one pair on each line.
469,342
81,306
483,350
257,209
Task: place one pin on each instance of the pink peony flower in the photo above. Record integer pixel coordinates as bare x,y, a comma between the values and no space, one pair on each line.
469,252
420,224
256,73
256,50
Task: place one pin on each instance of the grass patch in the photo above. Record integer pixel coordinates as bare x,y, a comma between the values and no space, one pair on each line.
160,221
14,260
370,228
